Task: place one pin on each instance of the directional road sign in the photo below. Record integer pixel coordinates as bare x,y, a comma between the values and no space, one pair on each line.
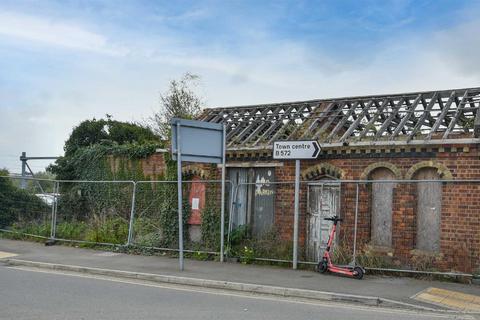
295,150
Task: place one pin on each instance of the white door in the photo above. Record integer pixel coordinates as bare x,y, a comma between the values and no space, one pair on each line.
323,201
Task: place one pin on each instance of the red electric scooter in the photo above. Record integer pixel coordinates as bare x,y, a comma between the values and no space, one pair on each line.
326,264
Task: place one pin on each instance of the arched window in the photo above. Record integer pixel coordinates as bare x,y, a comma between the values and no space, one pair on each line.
382,198
429,209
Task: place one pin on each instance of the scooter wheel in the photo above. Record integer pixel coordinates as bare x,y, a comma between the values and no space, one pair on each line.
322,267
358,273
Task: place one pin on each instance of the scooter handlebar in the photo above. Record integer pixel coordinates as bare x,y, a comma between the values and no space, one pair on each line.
334,218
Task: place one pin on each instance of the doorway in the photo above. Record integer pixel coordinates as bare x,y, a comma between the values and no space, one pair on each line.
323,201
255,198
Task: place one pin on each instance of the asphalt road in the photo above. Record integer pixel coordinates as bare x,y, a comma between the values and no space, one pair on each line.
37,294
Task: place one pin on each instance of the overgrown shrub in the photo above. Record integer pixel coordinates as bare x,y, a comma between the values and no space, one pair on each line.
211,222
38,229
268,245
108,230
74,230
18,206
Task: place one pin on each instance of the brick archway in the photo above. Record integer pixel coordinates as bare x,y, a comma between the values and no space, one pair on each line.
195,170
368,170
442,170
321,170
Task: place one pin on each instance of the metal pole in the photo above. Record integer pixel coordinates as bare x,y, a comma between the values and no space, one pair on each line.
233,197
57,191
355,229
222,217
180,213
295,216
132,215
53,222
23,184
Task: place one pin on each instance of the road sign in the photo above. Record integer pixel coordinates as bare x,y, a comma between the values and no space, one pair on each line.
294,150
198,141
201,141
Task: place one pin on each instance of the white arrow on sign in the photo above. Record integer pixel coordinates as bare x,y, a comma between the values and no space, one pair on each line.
292,150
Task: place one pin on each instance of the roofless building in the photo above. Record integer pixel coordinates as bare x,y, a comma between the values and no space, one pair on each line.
399,138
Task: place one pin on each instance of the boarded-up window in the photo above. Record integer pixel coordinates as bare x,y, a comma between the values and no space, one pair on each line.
382,196
429,208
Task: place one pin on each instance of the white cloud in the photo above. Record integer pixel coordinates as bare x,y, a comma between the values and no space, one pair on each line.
56,33
264,70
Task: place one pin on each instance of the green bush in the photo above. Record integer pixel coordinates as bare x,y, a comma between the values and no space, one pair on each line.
111,230
211,221
42,229
19,206
247,255
268,245
71,230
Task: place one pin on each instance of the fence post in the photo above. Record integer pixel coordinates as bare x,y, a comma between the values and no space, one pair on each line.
180,199
23,182
233,199
222,213
132,215
355,227
53,226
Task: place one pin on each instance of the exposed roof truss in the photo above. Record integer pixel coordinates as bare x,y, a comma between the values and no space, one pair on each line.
438,115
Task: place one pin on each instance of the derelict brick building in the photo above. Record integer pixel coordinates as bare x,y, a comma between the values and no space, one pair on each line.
412,136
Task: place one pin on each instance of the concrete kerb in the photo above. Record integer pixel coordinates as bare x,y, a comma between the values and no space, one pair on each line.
227,285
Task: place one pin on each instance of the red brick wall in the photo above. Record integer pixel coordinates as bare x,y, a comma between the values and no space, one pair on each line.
460,220
154,165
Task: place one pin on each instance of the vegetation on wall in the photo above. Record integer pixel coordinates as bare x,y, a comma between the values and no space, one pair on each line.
90,143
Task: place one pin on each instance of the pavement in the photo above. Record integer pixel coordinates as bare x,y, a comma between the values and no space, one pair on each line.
372,290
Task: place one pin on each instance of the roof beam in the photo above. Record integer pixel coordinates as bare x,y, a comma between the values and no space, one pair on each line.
258,119
278,122
405,118
281,131
273,127
377,114
392,115
240,126
454,120
317,117
330,119
356,122
257,129
421,120
343,121
440,118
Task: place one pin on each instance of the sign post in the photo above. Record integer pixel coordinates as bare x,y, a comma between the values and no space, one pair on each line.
296,150
179,191
198,141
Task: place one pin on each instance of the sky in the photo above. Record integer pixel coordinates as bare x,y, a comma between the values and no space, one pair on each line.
62,62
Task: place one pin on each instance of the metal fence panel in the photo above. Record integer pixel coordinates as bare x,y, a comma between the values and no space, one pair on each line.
426,225
93,211
28,211
156,216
